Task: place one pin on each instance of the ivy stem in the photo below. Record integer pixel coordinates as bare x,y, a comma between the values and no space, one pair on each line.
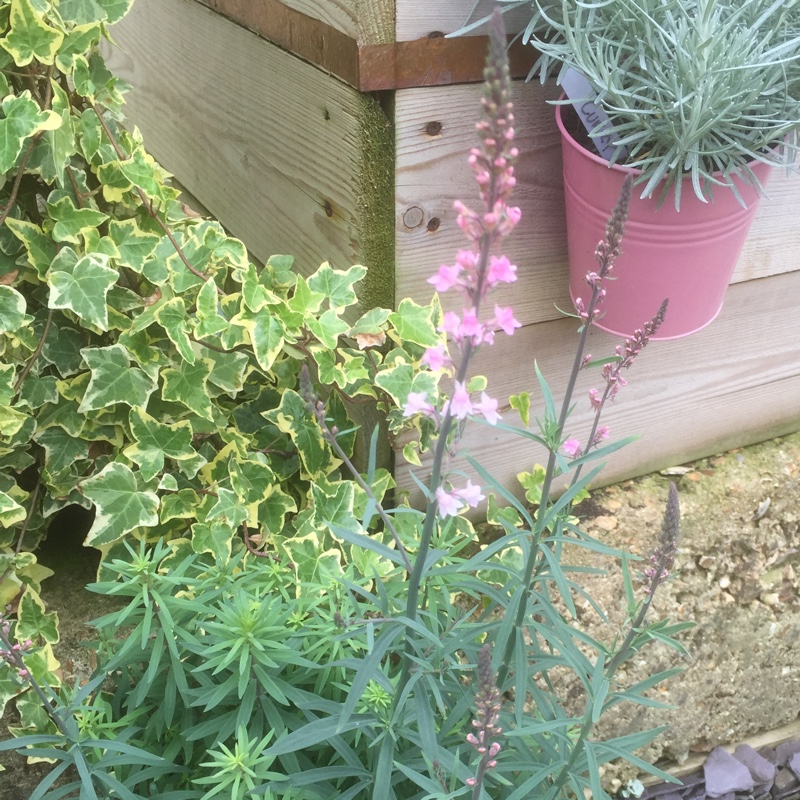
149,205
36,353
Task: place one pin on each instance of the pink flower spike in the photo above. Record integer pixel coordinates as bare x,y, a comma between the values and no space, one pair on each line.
501,270
446,278
436,357
449,504
488,407
471,327
504,318
460,404
572,447
417,403
452,324
603,432
470,494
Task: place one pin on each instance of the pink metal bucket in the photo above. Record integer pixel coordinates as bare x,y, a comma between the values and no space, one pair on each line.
687,256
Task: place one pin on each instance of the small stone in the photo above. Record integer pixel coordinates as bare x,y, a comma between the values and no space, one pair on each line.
786,785
725,774
605,523
794,764
613,505
771,599
724,581
785,751
762,770
706,562
768,753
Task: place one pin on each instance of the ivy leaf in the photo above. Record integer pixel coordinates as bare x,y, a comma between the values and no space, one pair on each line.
294,418
79,40
140,170
228,508
135,245
214,539
396,381
121,506
209,321
71,221
156,441
81,12
415,323
32,620
61,449
30,36
328,328
115,9
181,505
272,511
266,333
81,285
38,390
228,371
113,379
12,310
22,118
336,285
370,323
11,512
171,316
187,385
40,248
333,505
55,147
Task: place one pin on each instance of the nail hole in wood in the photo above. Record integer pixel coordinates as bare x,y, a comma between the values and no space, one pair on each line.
433,224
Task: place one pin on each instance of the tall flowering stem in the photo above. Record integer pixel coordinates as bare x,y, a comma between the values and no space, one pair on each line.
662,560
475,272
606,253
486,729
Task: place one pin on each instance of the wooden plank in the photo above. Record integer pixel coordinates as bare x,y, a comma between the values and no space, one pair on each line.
376,66
733,384
418,18
435,129
288,158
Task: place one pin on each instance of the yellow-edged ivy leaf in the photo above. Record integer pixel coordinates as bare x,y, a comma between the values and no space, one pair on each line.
228,509
11,512
141,171
273,510
209,320
81,285
328,328
72,221
415,323
121,505
81,12
267,335
372,322
180,505
225,248
40,248
22,118
337,285
396,381
38,390
304,301
294,418
212,538
30,36
135,245
33,621
522,403
113,379
61,449
115,9
80,39
55,147
251,480
171,316
12,310
187,385
228,372
156,441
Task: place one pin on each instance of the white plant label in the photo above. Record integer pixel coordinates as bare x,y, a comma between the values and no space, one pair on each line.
581,92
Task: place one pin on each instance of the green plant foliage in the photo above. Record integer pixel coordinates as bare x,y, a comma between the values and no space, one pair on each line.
150,370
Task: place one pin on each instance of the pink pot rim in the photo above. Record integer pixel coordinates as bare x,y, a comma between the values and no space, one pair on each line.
621,167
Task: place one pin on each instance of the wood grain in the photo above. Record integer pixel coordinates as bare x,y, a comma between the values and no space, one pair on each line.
417,18
734,383
272,146
432,172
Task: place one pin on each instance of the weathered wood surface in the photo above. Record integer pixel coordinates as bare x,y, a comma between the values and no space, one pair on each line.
735,383
278,151
417,18
432,172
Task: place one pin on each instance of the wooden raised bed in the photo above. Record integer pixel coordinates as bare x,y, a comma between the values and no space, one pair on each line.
338,130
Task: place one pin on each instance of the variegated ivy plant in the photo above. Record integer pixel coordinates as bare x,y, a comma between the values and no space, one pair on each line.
148,369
